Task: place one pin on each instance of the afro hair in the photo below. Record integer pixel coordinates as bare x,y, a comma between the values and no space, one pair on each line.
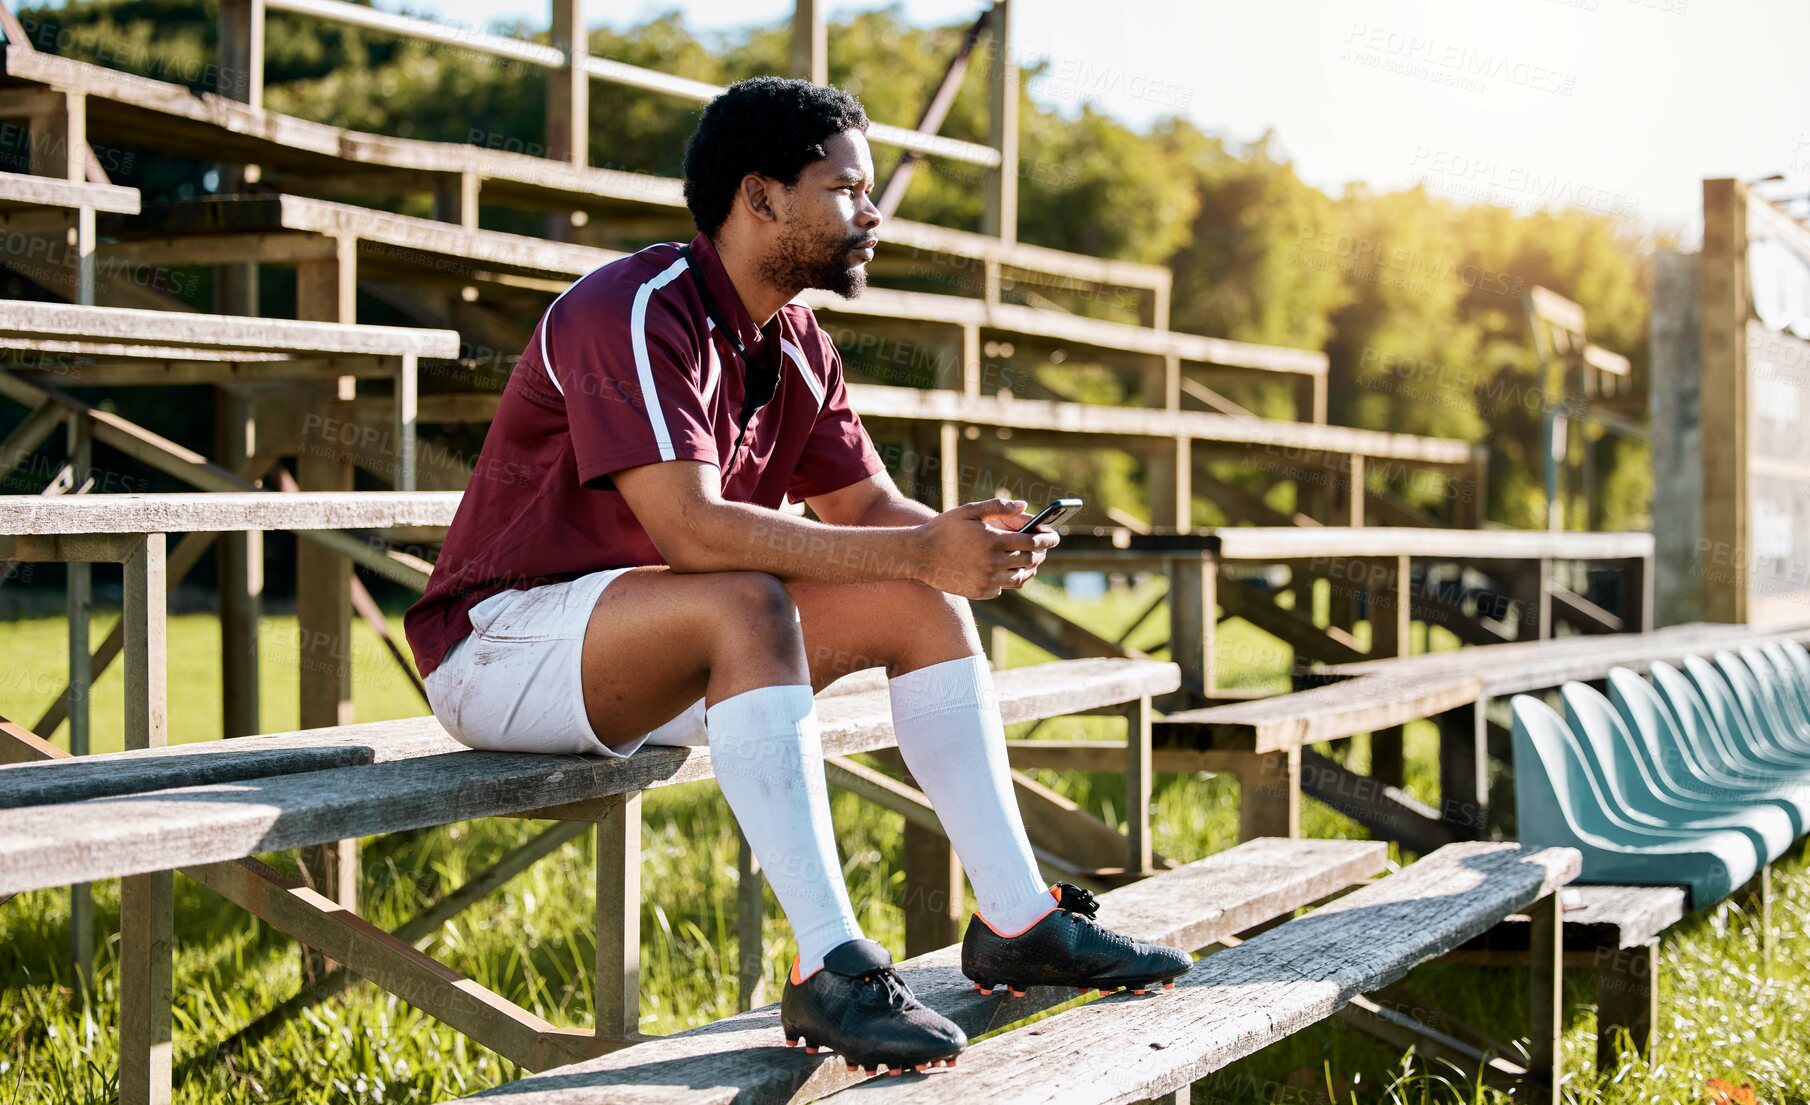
773,126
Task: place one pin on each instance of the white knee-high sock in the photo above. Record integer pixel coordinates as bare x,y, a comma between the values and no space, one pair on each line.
768,756
946,717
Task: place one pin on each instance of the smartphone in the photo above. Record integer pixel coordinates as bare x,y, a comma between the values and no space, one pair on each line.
1053,515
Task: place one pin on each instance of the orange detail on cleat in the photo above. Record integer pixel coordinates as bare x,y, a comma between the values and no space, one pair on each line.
921,1067
811,1049
979,989
1140,991
1017,993
854,1066
1168,985
895,1072
791,1041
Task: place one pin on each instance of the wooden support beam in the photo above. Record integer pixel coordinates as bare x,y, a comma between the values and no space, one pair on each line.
999,215
1193,624
1269,793
569,93
750,917
1627,1001
810,56
1139,768
41,420
619,919
1389,812
1331,644
394,964
79,609
1546,999
1464,769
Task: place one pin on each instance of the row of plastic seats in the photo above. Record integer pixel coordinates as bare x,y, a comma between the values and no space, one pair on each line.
1697,777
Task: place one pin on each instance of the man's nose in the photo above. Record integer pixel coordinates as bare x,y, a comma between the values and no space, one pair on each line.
869,215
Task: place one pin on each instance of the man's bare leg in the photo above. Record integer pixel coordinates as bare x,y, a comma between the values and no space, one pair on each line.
946,717
656,641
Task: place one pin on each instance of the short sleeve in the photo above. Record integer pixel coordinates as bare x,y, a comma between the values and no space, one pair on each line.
631,375
839,452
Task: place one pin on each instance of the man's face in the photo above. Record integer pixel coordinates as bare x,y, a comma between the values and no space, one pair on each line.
825,233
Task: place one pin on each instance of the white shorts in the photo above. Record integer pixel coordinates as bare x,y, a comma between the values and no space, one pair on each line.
514,683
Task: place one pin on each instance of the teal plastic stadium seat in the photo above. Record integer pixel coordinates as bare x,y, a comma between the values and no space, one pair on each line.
1738,715
1704,728
1635,794
1787,687
1685,760
1749,671
1557,804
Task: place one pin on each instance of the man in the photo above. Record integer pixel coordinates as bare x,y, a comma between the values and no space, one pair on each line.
619,572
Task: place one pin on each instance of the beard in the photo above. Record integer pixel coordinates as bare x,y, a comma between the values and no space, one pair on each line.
806,260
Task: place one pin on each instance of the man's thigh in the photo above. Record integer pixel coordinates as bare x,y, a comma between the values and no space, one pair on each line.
651,640
898,625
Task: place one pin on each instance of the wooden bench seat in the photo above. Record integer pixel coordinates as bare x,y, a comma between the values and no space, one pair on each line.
1120,1049
207,808
154,809
1615,931
1269,742
742,1058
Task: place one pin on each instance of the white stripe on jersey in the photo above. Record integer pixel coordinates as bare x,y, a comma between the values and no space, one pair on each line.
637,334
716,365
804,369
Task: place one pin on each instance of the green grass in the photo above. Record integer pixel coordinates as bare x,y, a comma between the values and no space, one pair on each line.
1725,1014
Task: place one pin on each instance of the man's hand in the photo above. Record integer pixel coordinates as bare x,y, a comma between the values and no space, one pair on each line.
976,551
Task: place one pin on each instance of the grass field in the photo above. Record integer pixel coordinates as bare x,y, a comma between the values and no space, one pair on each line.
1726,1013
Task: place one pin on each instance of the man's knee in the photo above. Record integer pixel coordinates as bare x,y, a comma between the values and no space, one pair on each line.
757,600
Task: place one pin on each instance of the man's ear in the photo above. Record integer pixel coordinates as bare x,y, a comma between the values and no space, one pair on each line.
759,195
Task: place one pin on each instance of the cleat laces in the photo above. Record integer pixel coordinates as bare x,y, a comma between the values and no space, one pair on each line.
1080,905
886,986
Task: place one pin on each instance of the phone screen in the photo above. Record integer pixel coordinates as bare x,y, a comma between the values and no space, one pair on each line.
1053,515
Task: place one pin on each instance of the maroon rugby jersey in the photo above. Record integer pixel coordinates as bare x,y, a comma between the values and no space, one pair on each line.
625,369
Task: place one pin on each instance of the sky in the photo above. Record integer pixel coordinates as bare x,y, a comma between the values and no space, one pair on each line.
1621,106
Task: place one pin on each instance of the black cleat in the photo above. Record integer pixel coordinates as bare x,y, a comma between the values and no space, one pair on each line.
1067,947
857,1005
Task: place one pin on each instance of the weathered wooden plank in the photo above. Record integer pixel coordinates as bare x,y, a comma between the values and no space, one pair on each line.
27,190
417,781
1597,919
1294,542
197,471
1513,668
1320,714
880,401
386,239
126,324
225,511
1237,1001
738,1060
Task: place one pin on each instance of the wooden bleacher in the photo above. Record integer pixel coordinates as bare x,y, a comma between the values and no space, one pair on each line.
303,155
116,345
1125,1049
208,808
